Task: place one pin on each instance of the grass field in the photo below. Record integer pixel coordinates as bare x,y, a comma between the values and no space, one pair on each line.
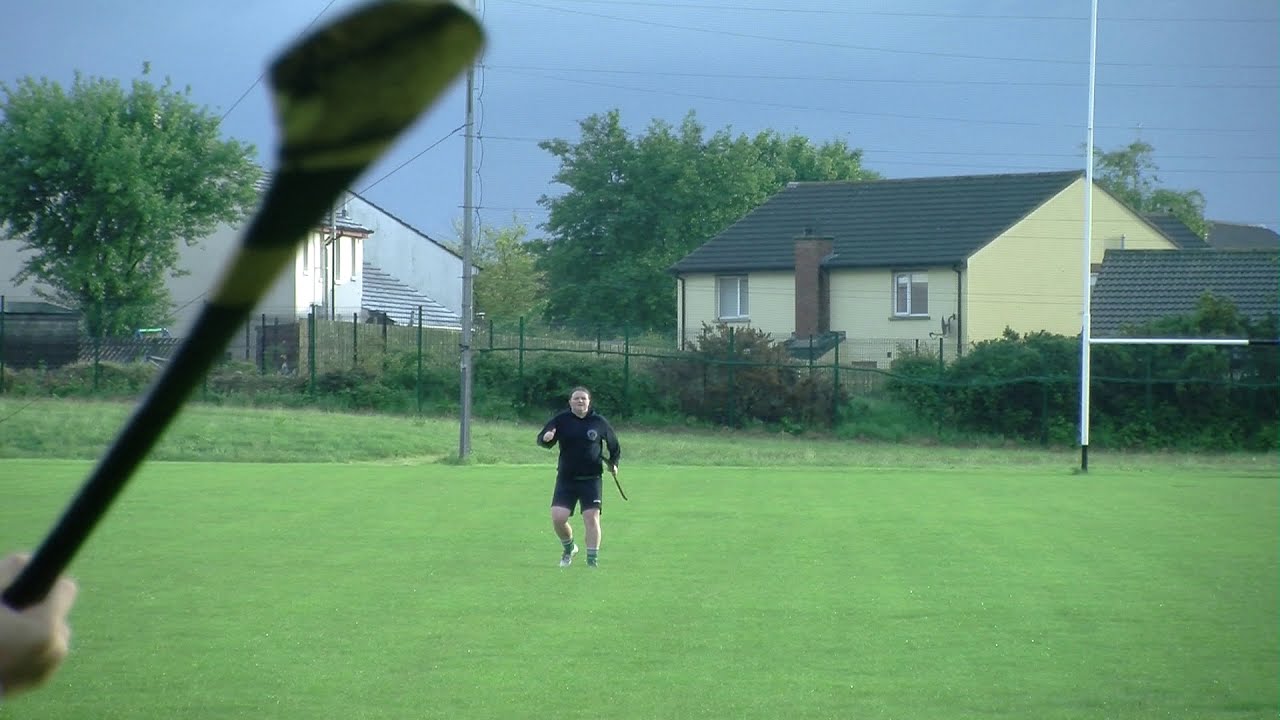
910,584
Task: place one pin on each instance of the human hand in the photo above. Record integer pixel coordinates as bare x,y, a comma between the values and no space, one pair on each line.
33,641
548,436
613,470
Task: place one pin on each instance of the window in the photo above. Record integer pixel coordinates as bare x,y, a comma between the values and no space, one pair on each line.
910,294
306,256
731,298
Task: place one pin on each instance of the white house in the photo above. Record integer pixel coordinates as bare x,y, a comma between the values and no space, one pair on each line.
358,261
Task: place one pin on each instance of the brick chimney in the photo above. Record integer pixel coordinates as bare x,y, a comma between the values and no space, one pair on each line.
813,316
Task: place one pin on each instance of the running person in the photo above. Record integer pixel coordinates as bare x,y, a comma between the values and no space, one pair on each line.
582,433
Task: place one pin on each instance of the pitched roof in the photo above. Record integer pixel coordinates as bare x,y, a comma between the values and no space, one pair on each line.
407,226
1237,236
1137,286
33,307
880,223
1177,231
339,217
386,293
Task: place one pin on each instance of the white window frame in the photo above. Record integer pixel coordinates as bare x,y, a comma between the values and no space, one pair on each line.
335,251
742,292
909,276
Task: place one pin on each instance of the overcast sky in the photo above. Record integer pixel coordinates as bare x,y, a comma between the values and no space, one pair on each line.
925,87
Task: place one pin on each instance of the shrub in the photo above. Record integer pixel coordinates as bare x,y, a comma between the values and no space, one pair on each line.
735,376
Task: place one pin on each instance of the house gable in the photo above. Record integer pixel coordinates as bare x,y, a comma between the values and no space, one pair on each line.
1031,277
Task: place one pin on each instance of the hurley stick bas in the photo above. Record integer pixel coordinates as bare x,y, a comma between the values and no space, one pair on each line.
342,95
614,473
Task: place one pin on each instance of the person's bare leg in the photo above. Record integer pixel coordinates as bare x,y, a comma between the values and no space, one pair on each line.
591,521
560,523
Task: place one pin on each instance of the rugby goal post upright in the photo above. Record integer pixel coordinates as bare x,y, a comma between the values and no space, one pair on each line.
1087,269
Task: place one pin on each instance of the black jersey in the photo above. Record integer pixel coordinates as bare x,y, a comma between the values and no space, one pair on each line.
581,440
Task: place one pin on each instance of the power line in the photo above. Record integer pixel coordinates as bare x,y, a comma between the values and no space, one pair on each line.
893,81
1034,168
897,13
402,165
971,153
257,82
868,48
864,113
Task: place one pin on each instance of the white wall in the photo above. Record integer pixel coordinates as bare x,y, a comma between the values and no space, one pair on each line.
11,259
409,255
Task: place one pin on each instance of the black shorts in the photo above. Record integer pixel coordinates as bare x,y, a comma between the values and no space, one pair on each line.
584,491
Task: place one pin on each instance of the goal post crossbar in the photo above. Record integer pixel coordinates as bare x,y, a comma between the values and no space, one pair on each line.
1182,341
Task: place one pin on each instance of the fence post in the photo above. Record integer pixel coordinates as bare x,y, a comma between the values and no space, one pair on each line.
262,346
942,369
1146,384
490,333
813,386
355,340
248,345
311,351
1044,411
2,348
626,368
520,357
97,358
835,385
418,382
733,390
598,341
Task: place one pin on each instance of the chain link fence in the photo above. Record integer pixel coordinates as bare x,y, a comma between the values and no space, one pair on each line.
732,377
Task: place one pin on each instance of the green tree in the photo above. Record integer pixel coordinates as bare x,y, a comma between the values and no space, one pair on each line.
100,183
1130,174
636,204
509,285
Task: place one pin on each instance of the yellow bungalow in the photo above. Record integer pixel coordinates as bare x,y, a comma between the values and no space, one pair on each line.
882,266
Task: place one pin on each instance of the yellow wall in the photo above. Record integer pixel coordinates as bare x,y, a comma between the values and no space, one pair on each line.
770,303
862,306
1030,278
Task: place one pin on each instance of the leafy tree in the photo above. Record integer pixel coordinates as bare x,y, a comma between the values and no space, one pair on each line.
1130,174
509,285
636,204
100,183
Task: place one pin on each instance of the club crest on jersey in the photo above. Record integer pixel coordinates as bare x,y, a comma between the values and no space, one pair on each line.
592,435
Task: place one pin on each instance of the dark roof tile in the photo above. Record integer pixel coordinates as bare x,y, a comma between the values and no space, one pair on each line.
1236,236
880,223
1138,286
1177,231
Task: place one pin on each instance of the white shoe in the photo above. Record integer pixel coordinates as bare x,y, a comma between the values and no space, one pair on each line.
567,559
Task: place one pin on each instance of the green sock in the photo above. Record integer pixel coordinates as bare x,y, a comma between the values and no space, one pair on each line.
568,545
591,555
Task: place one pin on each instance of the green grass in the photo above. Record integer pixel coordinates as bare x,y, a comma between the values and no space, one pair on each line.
753,575
402,589
62,429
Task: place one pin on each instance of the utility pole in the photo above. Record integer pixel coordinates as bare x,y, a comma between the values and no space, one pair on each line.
468,231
